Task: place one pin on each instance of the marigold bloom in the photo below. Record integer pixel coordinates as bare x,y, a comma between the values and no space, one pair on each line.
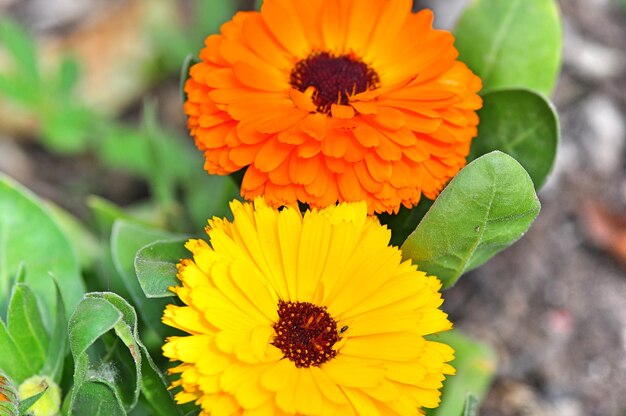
314,314
334,100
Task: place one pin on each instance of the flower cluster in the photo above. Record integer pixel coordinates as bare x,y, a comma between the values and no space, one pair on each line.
352,108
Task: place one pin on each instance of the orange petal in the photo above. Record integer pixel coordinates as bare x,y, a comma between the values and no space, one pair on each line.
272,154
303,171
341,111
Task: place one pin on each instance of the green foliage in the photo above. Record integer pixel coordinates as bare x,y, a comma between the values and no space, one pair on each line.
26,327
470,408
475,365
49,95
27,347
134,251
53,366
126,239
155,265
23,82
38,243
83,241
111,384
487,207
511,43
209,195
404,222
176,42
522,124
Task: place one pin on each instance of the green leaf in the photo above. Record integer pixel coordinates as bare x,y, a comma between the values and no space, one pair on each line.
12,361
126,240
155,265
53,366
487,207
36,240
105,213
189,61
22,49
8,397
124,148
26,327
30,401
475,365
522,124
67,128
470,408
85,244
209,16
209,195
511,43
69,73
95,316
404,222
96,398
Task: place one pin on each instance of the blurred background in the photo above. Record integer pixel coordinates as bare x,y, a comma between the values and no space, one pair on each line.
90,105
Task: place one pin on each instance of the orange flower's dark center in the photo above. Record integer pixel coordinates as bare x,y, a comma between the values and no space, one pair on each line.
335,78
305,333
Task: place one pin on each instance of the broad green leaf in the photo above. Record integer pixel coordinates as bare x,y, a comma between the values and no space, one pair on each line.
83,241
95,316
522,124
487,207
153,384
155,265
475,365
126,240
9,399
26,327
511,43
36,240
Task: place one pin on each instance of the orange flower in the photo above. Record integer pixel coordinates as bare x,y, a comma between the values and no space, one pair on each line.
334,100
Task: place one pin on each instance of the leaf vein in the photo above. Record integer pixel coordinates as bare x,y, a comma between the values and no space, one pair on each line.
490,59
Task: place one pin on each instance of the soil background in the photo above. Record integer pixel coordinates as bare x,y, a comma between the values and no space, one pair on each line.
553,306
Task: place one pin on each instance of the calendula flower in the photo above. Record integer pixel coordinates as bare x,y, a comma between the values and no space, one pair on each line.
334,100
316,314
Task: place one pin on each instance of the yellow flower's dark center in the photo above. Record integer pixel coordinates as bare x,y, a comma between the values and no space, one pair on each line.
305,333
335,78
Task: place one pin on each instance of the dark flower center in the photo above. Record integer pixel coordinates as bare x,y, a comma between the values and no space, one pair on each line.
305,333
335,78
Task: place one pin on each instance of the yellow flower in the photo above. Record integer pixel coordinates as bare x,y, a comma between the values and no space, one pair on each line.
314,314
